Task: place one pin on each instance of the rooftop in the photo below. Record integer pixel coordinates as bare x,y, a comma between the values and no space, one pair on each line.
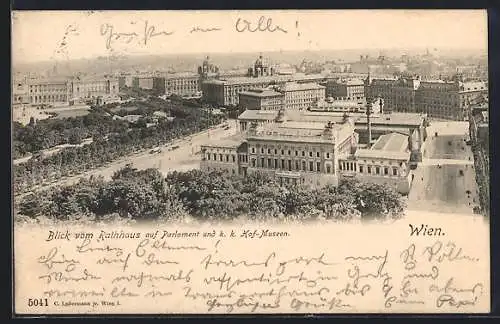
380,154
260,93
233,141
47,81
350,82
180,75
341,103
407,119
266,79
393,142
312,132
301,86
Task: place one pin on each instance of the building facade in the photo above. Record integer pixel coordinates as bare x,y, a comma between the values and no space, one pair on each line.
49,91
387,162
293,152
347,106
261,99
125,81
313,154
68,91
92,88
224,90
449,100
409,124
182,84
346,89
143,82
20,93
300,96
436,98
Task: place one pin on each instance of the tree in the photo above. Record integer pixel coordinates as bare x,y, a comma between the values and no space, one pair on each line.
30,206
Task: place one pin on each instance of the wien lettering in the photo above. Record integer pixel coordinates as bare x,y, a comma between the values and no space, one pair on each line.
425,230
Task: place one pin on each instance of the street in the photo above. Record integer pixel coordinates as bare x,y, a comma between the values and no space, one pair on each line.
181,159
445,180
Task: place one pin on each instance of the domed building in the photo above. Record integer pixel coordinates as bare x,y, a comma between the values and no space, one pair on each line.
207,69
261,68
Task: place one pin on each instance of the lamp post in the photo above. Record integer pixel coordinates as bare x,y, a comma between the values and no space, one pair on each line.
369,124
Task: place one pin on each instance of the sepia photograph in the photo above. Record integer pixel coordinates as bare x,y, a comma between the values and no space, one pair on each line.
262,161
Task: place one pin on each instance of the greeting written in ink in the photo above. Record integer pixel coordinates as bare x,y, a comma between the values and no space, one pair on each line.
143,33
202,270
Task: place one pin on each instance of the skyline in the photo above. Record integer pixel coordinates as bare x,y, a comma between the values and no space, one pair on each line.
40,36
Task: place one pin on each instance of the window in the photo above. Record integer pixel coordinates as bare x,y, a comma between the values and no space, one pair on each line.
253,163
282,152
318,166
310,154
360,169
377,170
370,169
262,150
268,151
394,171
234,158
304,165
275,151
253,149
289,152
289,165
311,166
328,169
296,153
220,157
297,165
233,171
269,163
317,154
283,164
327,155
227,158
275,163
208,156
303,153
262,162
386,171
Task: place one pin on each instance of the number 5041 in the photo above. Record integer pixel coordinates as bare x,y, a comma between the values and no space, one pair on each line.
33,302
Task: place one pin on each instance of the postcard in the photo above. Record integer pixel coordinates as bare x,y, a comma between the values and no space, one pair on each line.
250,162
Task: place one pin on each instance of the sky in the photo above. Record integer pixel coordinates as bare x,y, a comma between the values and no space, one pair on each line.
60,35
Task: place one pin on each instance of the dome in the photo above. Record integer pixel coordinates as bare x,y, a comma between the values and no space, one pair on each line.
260,61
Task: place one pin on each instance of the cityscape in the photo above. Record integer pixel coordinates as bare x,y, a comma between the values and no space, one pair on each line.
207,137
